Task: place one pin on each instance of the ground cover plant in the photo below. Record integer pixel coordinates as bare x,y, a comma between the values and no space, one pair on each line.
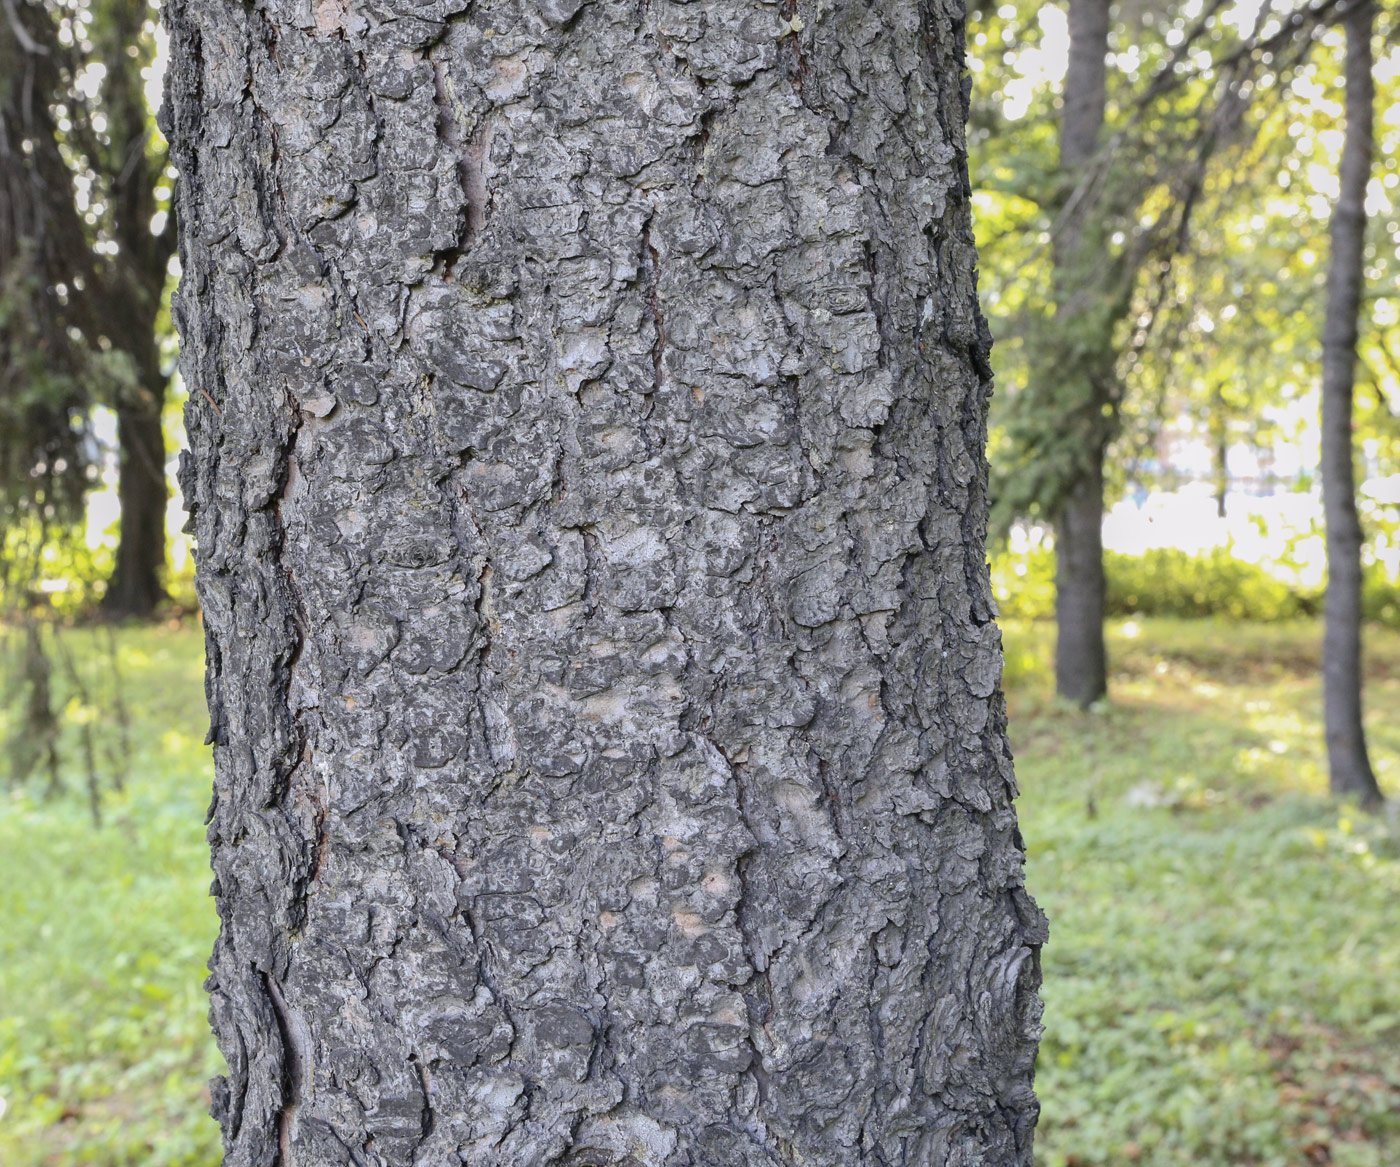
1166,581
104,1047
1220,985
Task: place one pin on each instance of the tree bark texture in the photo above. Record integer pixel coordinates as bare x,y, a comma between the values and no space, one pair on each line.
587,418
1081,660
1348,763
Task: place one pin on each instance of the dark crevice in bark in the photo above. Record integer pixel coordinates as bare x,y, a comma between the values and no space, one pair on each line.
427,1119
651,264
794,60
470,154
293,1067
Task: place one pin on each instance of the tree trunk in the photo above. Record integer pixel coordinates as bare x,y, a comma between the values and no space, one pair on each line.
1086,84
135,588
1348,763
587,411
1081,670
1218,423
135,287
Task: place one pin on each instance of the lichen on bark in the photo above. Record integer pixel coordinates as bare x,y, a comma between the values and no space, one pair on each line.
587,419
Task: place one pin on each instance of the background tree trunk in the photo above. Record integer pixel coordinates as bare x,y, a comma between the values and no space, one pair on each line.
135,292
1081,670
1081,664
1218,424
1347,759
135,588
587,409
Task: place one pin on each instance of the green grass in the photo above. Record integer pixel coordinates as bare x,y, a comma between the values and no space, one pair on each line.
104,1046
1222,984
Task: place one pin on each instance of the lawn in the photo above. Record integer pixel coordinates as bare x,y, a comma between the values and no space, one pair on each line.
104,1047
1222,982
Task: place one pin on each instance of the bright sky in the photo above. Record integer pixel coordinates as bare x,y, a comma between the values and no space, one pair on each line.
1035,66
154,73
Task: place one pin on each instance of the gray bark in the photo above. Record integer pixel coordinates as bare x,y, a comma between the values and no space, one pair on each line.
1348,763
1081,660
587,417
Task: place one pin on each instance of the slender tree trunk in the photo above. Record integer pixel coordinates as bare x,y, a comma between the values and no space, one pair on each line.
1080,663
1086,85
1349,765
135,588
1081,669
135,288
1219,425
587,409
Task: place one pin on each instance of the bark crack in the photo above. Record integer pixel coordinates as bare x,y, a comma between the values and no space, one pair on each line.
651,264
470,152
294,1066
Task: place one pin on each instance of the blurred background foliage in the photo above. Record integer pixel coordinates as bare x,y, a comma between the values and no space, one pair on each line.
1221,984
1217,344
1167,581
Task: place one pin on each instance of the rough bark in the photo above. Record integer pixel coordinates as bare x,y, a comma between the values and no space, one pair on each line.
1349,765
1081,669
587,411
